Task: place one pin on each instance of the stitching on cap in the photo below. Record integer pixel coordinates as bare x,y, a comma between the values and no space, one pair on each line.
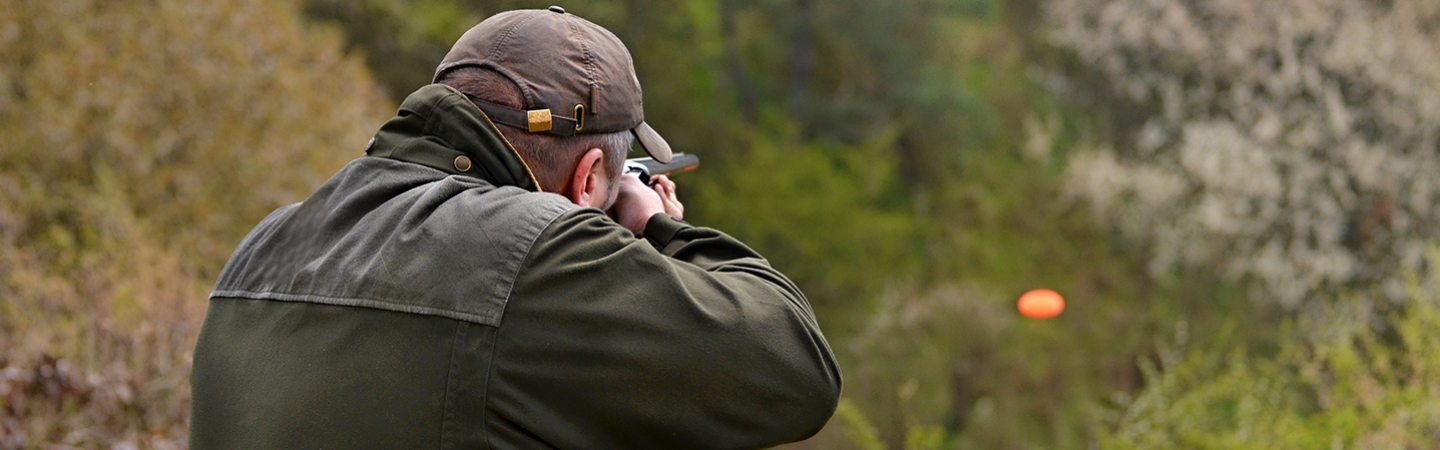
500,56
585,50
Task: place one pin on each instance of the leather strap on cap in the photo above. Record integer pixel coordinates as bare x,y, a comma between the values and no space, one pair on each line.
519,118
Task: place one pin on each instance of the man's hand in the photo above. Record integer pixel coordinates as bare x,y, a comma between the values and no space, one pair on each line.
666,189
636,203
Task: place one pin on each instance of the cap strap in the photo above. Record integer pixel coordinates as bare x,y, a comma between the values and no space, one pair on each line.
534,121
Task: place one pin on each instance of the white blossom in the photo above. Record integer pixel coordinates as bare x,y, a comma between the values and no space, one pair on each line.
1295,143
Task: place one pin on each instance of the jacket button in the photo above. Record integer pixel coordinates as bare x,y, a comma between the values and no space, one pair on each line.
462,163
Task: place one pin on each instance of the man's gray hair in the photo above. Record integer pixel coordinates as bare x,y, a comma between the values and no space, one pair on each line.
551,158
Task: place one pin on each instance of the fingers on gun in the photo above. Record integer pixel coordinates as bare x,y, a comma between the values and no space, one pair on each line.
664,187
662,180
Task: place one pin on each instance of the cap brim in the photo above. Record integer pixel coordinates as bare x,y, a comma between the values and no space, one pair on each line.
652,143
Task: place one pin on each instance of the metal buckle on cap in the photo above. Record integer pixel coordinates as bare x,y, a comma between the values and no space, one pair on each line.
539,120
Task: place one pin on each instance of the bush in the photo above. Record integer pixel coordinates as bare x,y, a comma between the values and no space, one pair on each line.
1291,142
141,141
1342,377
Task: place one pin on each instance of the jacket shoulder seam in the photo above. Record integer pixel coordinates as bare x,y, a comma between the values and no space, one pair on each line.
355,302
485,393
559,211
447,413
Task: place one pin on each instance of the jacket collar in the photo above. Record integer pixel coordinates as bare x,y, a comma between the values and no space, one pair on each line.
437,125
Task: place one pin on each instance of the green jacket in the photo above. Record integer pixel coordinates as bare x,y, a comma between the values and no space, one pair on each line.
407,304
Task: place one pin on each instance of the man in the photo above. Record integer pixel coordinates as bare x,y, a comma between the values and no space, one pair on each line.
462,285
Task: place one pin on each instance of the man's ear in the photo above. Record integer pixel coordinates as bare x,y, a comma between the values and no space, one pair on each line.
589,188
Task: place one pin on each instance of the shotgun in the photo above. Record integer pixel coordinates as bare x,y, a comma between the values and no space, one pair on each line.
649,167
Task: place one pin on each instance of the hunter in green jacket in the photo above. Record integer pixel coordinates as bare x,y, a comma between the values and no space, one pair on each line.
484,278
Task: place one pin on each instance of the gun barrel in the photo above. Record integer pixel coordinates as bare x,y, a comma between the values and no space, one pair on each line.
648,167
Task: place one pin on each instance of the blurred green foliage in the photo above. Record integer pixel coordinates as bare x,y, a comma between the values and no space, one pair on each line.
798,200
139,141
1341,377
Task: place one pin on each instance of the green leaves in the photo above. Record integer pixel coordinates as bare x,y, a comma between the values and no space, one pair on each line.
142,140
1342,377
823,214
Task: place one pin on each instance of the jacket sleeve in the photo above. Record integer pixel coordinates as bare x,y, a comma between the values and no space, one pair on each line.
684,339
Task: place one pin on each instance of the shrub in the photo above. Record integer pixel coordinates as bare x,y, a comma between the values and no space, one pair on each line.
1342,377
1290,142
141,141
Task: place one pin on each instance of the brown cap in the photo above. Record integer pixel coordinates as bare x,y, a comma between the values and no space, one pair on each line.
576,77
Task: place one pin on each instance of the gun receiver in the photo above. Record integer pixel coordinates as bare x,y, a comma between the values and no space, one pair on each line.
649,167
